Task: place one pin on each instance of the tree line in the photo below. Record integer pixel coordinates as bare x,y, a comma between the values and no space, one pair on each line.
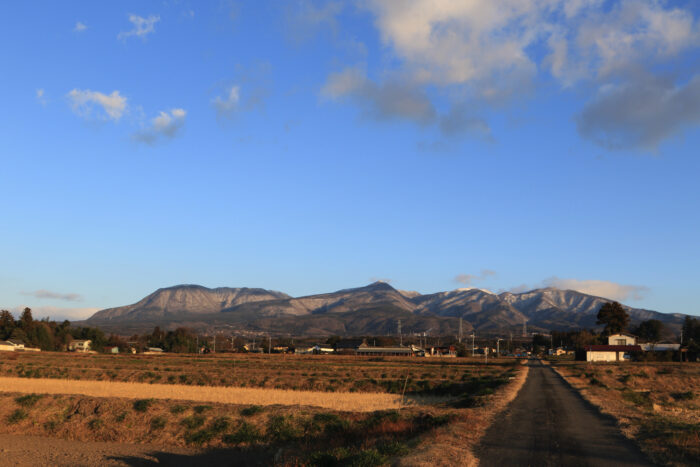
46,334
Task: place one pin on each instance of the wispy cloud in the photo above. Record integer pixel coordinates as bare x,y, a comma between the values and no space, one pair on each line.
640,113
141,26
84,102
47,294
79,27
167,124
225,105
600,288
379,279
57,313
388,100
40,96
469,279
304,18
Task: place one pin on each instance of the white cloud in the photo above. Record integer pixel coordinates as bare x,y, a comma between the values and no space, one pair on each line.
229,103
141,26
599,288
79,27
70,297
166,124
485,44
469,279
84,102
481,53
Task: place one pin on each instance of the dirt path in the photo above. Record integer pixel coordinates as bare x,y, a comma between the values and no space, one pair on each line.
20,451
30,451
550,424
344,401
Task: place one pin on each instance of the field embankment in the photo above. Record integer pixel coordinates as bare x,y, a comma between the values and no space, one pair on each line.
655,404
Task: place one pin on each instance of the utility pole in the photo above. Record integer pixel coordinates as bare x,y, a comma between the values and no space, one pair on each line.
473,348
498,347
460,329
269,344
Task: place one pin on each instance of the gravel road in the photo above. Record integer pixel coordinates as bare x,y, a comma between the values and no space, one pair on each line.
550,424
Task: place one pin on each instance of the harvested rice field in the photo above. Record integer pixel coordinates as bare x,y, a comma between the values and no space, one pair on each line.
279,409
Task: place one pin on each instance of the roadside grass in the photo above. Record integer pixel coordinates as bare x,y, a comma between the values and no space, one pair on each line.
655,404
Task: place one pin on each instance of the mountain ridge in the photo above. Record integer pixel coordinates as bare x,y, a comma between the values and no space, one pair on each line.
372,308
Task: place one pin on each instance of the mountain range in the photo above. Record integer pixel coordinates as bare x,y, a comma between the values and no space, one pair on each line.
372,309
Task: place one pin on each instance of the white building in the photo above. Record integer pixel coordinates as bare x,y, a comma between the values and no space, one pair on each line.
610,353
622,339
80,345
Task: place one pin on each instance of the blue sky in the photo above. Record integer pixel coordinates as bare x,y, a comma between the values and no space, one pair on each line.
310,146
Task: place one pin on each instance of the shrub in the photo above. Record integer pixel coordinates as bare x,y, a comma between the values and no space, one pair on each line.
157,423
96,424
120,417
201,408
332,423
683,396
16,416
640,399
50,426
142,405
195,421
220,424
29,400
366,458
250,411
199,437
279,428
177,409
393,448
246,433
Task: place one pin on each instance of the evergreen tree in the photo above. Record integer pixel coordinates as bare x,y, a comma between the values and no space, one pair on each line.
650,330
614,317
7,324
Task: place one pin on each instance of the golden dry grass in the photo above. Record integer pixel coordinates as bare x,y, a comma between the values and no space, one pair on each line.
351,402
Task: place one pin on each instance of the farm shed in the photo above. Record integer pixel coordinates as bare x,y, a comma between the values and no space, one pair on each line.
367,350
610,353
7,346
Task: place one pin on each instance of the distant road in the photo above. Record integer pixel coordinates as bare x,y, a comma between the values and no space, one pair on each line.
549,424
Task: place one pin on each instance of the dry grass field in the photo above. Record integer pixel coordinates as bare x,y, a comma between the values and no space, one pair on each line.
286,410
656,404
277,371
